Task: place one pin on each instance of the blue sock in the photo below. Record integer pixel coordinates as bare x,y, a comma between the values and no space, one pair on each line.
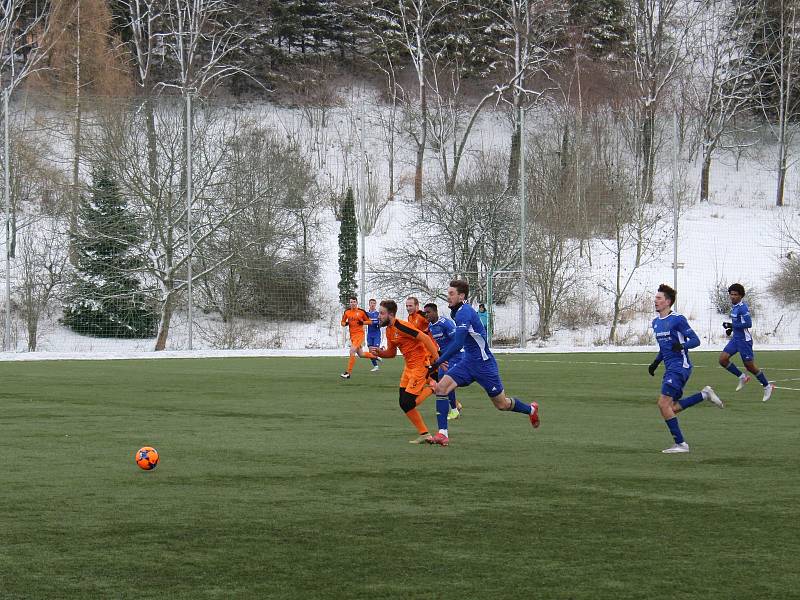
442,406
374,363
762,378
734,369
690,401
674,429
520,406
451,397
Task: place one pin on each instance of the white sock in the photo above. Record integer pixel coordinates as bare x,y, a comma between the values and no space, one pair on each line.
443,432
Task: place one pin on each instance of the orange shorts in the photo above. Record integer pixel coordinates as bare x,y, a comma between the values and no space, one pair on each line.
357,339
414,379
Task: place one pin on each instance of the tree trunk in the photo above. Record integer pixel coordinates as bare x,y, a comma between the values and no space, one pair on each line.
648,159
33,328
152,148
705,174
76,145
167,310
513,160
781,185
423,105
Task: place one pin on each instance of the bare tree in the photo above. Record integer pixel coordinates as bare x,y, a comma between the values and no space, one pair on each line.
554,265
659,31
23,24
124,144
469,233
629,230
274,240
40,269
721,86
84,61
779,53
416,21
528,48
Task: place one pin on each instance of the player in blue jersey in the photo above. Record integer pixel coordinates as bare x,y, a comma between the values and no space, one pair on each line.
478,363
675,338
738,329
374,332
443,331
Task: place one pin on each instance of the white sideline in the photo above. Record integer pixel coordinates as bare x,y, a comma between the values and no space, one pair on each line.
317,352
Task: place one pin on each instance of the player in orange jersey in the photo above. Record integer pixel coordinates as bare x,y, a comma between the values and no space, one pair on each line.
355,318
418,349
415,315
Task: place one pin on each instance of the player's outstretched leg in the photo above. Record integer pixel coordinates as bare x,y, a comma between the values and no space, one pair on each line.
503,402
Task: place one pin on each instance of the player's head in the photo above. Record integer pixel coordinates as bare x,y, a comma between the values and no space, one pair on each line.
457,292
352,302
412,305
481,307
665,297
387,312
736,292
431,312
372,303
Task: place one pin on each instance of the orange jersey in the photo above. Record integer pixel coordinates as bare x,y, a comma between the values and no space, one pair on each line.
418,348
419,321
355,319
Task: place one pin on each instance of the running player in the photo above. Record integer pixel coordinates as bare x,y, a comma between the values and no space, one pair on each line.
415,317
675,338
417,348
355,318
738,329
373,331
443,331
478,363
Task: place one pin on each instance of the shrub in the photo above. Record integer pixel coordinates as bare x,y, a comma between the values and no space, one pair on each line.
785,284
721,301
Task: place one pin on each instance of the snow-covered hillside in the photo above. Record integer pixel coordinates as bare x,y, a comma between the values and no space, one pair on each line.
737,236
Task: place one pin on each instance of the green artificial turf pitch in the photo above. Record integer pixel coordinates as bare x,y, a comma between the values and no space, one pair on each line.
280,480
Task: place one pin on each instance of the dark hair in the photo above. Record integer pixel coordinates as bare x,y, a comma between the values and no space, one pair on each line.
352,298
737,287
372,300
668,292
481,305
462,287
432,306
390,306
416,301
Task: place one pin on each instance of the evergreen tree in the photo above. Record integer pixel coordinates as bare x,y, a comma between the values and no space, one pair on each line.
105,299
603,25
348,248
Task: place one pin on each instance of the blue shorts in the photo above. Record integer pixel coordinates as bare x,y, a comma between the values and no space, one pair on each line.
673,382
374,339
742,347
484,372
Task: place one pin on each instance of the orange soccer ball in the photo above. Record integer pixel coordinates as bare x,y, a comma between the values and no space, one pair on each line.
146,458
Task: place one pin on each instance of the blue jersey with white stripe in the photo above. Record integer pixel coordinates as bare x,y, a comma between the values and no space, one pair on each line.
470,335
443,333
741,321
373,327
671,329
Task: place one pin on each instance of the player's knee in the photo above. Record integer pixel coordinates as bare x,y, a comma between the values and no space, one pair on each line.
723,361
408,401
502,402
